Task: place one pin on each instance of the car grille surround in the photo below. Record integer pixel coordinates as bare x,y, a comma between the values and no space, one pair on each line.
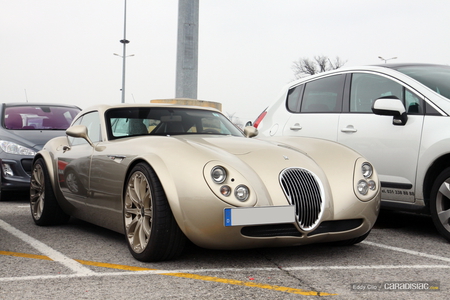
304,190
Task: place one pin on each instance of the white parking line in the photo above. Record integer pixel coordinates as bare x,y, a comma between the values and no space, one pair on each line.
416,253
47,251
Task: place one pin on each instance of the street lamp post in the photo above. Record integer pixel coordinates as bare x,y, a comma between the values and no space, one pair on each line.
386,59
124,41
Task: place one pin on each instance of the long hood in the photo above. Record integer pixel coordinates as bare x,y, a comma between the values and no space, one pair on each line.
264,157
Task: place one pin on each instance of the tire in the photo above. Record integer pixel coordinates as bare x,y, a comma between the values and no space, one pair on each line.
151,232
45,209
440,203
351,242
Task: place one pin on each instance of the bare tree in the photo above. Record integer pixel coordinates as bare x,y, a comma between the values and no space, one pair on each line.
321,63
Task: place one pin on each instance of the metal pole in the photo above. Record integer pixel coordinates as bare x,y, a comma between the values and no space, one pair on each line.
187,49
124,42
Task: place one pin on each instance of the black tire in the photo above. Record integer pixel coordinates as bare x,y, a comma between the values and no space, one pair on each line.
351,242
440,203
151,232
45,209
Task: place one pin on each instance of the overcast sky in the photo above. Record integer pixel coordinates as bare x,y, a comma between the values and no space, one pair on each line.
62,50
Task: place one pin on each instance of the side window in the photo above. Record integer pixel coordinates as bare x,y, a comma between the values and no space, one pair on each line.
293,99
413,104
323,95
366,88
92,122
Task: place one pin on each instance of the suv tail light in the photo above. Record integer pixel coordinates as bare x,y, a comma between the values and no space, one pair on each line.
260,118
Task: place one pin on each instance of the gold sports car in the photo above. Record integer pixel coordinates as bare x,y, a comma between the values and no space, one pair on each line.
162,174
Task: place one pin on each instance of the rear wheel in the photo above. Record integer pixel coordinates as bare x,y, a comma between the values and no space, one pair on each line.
440,203
45,209
151,231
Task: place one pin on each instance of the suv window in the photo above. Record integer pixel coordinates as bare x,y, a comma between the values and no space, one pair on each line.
319,96
366,88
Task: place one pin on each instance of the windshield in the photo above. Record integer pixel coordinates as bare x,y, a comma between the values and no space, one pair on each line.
134,121
435,77
38,117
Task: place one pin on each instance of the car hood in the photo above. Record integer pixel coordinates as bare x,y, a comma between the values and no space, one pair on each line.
34,139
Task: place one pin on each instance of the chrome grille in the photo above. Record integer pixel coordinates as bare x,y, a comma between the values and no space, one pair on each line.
303,190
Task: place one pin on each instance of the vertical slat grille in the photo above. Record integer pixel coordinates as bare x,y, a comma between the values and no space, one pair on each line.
303,190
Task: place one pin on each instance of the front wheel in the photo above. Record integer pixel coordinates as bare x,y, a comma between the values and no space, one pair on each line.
45,209
440,203
151,231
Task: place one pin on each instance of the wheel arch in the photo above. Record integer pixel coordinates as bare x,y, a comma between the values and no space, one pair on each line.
167,183
432,173
45,155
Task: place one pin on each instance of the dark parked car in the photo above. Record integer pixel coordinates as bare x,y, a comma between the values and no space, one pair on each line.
25,128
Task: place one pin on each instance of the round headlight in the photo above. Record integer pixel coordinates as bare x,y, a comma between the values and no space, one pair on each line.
372,185
218,174
363,187
241,192
366,170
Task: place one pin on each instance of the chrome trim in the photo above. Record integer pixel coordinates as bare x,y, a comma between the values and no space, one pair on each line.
303,189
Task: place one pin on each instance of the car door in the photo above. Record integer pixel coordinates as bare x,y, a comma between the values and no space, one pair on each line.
393,149
74,163
314,108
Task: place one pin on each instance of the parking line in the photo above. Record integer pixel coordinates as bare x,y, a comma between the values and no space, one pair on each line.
416,253
142,271
46,250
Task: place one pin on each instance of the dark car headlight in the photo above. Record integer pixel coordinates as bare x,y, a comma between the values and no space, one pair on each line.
13,148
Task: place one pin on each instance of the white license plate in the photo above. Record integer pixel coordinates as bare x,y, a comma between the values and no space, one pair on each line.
240,216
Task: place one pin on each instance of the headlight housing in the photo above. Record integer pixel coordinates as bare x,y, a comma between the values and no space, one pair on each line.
13,148
228,184
366,183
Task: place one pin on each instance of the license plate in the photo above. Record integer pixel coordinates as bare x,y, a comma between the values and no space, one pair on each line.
259,215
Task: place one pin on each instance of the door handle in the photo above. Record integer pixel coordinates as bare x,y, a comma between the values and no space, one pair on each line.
295,127
349,129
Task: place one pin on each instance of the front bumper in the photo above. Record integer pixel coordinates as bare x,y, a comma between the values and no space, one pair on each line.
15,172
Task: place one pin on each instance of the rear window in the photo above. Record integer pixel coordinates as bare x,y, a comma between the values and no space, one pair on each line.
38,117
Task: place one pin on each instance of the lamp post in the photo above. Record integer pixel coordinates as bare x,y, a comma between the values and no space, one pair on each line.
386,59
124,41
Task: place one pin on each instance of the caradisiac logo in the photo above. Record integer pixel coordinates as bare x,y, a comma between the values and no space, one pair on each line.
399,286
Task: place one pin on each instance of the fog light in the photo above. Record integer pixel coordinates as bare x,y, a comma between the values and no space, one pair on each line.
7,170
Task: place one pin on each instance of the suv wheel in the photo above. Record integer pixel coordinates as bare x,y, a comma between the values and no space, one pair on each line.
440,203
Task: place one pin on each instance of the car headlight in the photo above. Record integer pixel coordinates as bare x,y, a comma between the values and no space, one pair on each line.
241,193
13,148
366,169
228,184
218,174
365,181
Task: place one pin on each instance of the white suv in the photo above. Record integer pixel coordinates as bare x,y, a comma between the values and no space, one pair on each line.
395,115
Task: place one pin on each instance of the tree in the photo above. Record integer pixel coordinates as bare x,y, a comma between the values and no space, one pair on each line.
305,66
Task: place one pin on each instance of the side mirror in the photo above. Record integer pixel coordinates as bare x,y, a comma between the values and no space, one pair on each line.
250,131
391,107
79,131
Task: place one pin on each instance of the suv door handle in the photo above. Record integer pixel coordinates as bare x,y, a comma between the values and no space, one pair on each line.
295,127
349,128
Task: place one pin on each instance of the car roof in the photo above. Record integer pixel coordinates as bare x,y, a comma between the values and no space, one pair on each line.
105,107
10,104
